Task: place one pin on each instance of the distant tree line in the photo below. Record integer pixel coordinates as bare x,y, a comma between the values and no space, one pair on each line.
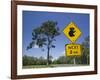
28,60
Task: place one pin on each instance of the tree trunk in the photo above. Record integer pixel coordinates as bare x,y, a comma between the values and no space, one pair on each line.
48,50
74,61
87,59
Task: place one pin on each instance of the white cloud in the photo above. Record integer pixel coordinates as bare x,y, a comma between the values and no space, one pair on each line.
36,46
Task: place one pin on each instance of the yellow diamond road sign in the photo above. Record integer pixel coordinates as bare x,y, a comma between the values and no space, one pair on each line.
73,50
72,32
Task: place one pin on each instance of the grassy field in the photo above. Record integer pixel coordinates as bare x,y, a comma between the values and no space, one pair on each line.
53,65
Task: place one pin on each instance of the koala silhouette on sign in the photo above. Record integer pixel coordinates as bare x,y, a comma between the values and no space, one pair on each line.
71,32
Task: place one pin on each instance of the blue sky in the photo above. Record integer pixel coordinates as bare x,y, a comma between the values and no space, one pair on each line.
33,19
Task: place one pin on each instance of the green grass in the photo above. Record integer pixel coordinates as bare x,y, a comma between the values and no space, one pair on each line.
53,65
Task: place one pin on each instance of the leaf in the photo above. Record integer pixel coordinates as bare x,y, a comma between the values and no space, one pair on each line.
53,46
30,45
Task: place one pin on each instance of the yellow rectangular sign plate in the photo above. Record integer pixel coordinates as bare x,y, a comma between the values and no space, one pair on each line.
73,50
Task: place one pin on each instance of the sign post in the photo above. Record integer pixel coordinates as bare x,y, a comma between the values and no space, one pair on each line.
72,32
